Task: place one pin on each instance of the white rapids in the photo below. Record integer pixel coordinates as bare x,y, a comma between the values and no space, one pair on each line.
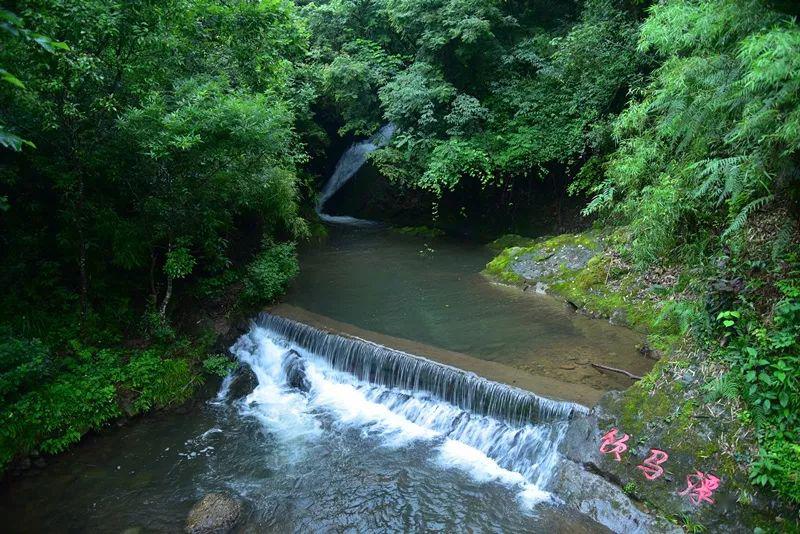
296,387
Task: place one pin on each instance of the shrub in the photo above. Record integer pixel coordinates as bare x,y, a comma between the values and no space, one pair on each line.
269,274
218,365
764,357
23,362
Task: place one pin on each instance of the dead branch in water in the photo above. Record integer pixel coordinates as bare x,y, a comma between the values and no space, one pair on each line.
621,371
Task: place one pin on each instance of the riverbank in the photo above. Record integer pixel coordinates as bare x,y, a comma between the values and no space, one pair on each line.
100,383
675,408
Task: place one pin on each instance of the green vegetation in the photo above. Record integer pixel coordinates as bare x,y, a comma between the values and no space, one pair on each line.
764,358
485,94
269,273
148,148
49,400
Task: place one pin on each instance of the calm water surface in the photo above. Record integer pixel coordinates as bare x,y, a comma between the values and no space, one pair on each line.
431,291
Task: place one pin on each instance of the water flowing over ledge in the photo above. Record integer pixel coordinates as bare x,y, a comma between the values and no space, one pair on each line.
396,369
347,166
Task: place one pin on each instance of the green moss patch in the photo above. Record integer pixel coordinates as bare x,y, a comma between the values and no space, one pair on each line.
420,231
602,288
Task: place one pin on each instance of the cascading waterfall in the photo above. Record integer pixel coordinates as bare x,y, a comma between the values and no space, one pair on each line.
347,166
491,431
383,366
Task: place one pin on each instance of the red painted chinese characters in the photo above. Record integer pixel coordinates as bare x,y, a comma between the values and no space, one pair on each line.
700,486
651,466
610,444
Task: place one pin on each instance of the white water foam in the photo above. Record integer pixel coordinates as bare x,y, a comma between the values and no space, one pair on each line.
488,450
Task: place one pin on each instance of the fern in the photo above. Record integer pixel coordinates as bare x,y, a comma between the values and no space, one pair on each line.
724,387
741,218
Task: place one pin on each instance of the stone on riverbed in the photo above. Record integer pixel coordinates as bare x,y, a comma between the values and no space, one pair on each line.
214,513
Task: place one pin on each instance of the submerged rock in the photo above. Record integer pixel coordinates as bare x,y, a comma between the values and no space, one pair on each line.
214,513
295,370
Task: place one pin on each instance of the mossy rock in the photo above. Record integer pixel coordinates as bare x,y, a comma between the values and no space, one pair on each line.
671,420
541,260
576,268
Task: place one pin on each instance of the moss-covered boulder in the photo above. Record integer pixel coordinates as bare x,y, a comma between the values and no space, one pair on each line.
582,270
542,261
667,412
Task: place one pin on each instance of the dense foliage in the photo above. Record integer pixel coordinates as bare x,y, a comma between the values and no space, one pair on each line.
482,92
147,143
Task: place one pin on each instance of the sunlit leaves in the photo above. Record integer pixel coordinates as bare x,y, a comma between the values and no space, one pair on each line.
179,263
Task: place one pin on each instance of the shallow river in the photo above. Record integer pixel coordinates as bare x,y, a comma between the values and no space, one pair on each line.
359,451
431,290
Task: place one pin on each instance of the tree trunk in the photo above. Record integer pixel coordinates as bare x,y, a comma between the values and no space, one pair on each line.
167,296
153,290
82,253
84,279
168,293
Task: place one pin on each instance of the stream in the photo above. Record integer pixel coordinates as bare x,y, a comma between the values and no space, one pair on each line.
319,432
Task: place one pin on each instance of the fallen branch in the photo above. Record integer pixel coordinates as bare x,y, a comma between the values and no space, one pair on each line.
621,371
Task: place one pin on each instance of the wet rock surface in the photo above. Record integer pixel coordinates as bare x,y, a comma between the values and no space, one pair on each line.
244,381
605,502
215,513
544,264
687,456
295,369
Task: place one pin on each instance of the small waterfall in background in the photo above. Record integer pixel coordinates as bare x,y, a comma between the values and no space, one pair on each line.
490,431
347,166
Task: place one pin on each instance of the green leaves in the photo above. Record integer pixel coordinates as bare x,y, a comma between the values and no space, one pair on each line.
270,273
766,359
11,79
179,263
14,142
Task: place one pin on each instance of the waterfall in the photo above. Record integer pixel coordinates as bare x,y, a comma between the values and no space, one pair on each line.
393,368
492,432
347,166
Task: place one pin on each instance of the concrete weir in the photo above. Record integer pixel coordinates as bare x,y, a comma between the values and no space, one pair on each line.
493,371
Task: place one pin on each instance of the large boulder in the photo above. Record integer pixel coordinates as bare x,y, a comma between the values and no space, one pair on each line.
665,419
243,383
215,513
